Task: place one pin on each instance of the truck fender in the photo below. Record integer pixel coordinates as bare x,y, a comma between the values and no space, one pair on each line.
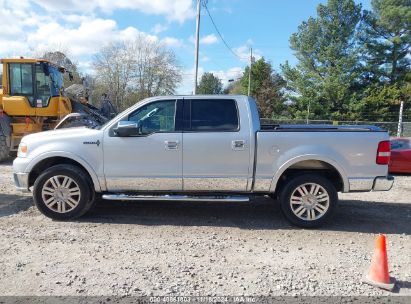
298,159
74,157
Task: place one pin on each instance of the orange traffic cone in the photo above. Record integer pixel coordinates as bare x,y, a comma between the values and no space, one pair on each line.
378,274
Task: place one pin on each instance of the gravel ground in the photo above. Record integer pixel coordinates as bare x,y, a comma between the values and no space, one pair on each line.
164,248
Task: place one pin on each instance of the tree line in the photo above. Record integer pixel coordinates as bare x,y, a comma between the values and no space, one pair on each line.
352,64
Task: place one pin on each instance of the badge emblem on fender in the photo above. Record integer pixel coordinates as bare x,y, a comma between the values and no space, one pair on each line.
92,143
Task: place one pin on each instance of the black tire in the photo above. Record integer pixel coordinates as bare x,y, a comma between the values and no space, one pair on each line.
84,200
309,204
4,148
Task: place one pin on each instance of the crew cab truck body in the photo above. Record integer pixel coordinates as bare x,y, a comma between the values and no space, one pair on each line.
209,148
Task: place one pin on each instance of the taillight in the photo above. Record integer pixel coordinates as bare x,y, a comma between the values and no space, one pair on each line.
383,153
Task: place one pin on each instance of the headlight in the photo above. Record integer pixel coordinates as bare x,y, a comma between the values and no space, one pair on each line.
22,151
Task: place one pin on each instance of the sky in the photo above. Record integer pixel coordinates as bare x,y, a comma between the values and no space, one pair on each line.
82,27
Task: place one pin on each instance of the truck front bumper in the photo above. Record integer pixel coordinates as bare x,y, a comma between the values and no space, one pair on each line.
380,183
20,176
21,181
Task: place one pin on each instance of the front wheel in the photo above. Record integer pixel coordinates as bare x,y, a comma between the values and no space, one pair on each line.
63,192
308,200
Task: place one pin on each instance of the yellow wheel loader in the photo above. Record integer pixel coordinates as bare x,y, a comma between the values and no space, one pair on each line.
32,100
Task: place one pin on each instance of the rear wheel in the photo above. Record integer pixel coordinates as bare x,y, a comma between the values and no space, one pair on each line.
308,200
63,192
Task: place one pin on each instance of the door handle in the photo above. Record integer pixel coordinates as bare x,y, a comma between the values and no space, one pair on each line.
238,145
171,145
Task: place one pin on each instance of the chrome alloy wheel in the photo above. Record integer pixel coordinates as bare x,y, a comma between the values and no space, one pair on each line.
61,194
309,201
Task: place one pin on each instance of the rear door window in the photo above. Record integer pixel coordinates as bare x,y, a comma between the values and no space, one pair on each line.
214,115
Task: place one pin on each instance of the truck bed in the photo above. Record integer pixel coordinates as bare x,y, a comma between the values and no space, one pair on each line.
352,148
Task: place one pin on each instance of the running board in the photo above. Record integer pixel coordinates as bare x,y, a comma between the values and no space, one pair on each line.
175,198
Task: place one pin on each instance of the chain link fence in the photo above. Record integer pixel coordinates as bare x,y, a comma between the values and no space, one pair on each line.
391,127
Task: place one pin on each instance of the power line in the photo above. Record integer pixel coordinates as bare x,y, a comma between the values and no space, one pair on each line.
197,46
221,36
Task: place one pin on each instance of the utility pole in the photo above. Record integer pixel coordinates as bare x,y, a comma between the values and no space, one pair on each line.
399,130
249,71
197,38
308,111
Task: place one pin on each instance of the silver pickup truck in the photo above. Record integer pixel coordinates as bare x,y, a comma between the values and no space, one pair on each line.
202,148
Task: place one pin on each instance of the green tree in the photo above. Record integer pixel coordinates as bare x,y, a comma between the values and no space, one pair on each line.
386,39
325,77
380,103
234,88
266,88
210,84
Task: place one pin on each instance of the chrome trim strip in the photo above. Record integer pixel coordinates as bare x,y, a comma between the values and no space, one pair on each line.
250,181
360,184
144,183
262,184
215,184
179,198
383,183
21,181
102,182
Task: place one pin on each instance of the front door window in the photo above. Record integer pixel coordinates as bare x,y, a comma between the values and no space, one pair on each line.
155,117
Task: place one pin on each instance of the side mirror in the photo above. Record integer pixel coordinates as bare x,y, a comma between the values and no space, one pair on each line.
127,128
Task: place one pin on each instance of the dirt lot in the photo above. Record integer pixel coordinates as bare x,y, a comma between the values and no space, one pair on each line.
200,248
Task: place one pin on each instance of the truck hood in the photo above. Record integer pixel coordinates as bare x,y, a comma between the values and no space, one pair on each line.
60,133
73,140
